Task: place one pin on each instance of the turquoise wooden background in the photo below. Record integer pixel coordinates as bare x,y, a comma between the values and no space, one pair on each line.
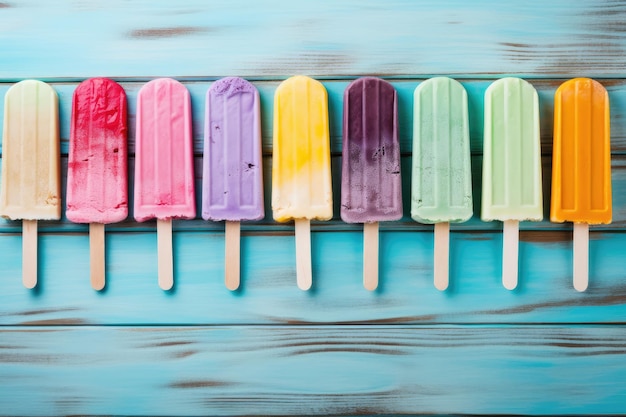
269,348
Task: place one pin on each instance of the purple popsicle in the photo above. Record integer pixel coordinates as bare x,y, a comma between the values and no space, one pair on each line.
370,183
232,187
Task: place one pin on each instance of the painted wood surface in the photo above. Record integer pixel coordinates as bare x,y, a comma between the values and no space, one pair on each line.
309,370
268,293
269,348
192,38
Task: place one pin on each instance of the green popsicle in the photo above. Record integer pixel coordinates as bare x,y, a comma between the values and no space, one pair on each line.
511,164
441,178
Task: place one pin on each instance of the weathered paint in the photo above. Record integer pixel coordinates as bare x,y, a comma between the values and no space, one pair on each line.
193,38
312,370
269,348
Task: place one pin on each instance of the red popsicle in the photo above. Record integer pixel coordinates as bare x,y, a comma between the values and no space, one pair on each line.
97,191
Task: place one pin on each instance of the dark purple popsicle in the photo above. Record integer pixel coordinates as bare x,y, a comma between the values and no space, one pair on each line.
370,183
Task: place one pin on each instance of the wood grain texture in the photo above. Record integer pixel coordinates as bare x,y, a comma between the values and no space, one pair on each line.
295,370
269,348
192,38
269,295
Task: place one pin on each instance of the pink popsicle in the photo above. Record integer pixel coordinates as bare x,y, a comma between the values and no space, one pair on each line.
232,187
164,176
97,191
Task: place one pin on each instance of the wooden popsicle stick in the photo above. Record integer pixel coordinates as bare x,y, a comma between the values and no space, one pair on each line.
96,255
165,255
581,256
232,233
442,255
370,256
303,254
510,253
29,253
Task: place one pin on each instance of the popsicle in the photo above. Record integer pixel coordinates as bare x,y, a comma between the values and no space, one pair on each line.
371,189
511,164
232,184
442,173
581,168
164,175
30,164
97,191
301,183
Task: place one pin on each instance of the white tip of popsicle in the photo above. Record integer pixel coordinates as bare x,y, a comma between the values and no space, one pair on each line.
580,286
581,256
304,274
509,284
510,236
442,255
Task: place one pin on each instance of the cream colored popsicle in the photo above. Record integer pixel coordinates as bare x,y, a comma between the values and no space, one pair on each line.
511,164
581,169
301,182
30,164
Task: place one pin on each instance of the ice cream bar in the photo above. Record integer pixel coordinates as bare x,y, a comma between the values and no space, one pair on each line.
30,164
442,173
581,169
511,164
164,178
97,191
512,153
301,183
232,184
164,175
370,183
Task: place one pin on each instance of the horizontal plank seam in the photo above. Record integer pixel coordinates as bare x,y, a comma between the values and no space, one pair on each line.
321,325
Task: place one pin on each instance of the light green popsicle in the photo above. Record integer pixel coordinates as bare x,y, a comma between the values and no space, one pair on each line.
511,164
442,174
512,152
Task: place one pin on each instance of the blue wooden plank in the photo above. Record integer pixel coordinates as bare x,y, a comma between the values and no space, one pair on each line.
305,370
271,39
269,293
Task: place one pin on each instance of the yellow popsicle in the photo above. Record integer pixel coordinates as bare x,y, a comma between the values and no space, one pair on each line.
301,183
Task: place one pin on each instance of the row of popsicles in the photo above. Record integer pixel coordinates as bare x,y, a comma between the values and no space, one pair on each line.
232,188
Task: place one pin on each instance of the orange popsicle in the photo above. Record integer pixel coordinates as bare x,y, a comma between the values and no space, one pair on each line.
581,168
